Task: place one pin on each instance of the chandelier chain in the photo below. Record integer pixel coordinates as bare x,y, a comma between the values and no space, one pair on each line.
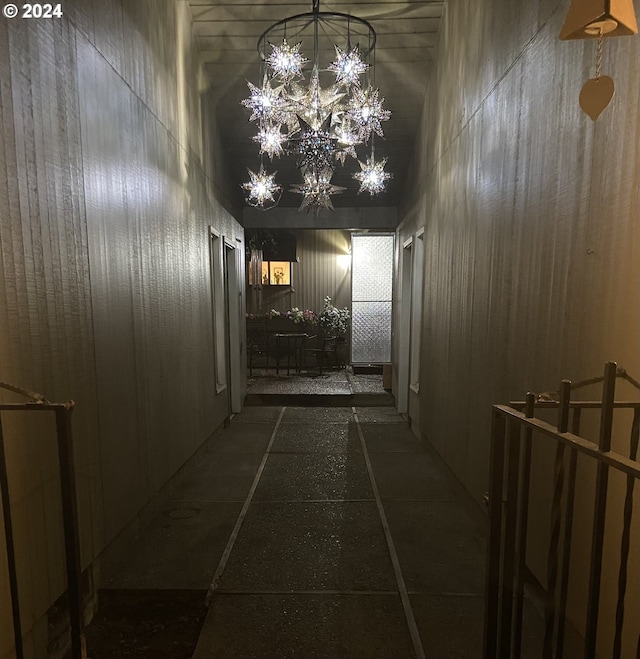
599,54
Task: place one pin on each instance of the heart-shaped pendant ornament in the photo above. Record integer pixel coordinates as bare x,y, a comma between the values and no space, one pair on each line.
595,95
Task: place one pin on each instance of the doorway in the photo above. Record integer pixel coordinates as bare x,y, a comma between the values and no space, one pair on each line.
417,276
226,308
405,325
412,266
234,308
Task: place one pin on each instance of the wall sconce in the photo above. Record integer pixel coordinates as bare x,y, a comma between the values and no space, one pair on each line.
344,261
596,19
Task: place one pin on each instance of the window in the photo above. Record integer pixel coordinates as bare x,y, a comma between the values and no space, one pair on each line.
371,295
276,273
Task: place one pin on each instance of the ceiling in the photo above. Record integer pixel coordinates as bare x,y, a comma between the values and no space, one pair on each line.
227,34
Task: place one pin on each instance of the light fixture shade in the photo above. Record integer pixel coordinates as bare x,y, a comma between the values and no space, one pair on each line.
584,19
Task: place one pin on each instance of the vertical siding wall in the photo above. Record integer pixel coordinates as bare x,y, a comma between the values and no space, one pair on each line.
319,272
532,230
105,204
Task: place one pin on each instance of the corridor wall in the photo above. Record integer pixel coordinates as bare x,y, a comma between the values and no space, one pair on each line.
532,236
323,269
107,194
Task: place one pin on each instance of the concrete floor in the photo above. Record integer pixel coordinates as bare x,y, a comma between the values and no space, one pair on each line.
334,387
319,532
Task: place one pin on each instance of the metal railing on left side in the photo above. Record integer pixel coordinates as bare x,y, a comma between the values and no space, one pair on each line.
514,433
62,412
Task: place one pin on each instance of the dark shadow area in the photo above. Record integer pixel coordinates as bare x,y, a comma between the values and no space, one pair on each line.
145,624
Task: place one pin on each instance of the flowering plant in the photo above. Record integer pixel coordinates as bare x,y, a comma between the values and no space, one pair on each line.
295,315
334,321
310,317
298,316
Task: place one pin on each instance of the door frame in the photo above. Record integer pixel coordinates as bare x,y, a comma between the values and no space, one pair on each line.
233,292
404,340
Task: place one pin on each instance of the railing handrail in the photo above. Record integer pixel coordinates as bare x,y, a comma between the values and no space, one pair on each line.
584,404
62,411
611,458
514,432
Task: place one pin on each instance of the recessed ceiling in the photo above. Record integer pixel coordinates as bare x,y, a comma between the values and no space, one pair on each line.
227,34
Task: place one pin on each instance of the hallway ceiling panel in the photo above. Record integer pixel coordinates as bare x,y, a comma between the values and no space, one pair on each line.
227,34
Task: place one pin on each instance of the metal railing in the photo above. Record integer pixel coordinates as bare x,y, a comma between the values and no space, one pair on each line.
514,431
62,412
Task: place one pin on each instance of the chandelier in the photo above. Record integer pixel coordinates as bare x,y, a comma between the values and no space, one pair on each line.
318,110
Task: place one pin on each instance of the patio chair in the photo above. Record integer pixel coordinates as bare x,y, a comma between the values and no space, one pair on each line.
324,351
257,343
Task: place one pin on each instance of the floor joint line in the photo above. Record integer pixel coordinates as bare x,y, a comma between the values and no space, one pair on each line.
314,500
402,588
238,525
386,593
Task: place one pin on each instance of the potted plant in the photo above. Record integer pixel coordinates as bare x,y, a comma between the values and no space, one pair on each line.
334,322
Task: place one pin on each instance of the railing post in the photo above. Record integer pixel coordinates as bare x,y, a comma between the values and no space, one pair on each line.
523,515
494,542
600,507
11,550
509,542
568,532
625,541
71,534
556,521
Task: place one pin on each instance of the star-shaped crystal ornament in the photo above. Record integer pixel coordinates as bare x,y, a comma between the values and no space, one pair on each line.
316,190
348,67
315,145
265,103
366,112
319,126
286,61
347,138
372,176
313,103
261,188
271,140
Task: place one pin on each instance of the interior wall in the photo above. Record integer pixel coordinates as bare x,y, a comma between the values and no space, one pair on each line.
106,198
323,269
532,238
